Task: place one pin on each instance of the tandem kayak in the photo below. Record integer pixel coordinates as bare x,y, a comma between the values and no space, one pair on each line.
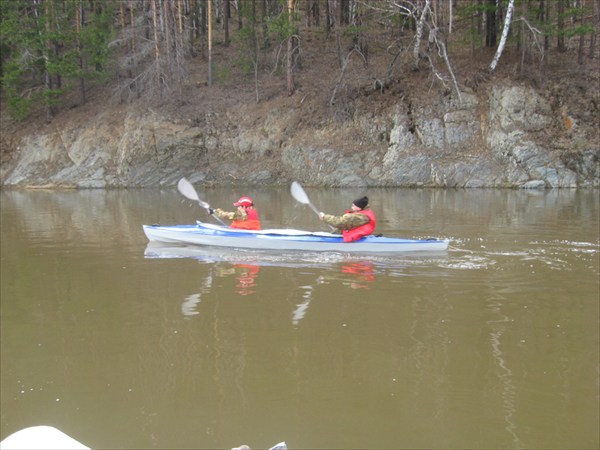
285,239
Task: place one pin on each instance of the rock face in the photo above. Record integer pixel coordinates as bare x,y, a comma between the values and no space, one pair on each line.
509,136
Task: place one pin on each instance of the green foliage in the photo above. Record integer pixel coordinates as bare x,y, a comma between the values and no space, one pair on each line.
283,26
17,105
39,41
466,13
246,38
52,97
468,9
223,73
94,51
572,16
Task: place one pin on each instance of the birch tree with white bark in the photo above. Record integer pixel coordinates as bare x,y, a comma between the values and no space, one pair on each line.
505,30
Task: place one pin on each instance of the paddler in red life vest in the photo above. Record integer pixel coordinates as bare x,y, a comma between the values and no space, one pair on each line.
355,223
244,217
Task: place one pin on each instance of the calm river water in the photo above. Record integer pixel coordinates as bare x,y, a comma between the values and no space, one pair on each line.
492,344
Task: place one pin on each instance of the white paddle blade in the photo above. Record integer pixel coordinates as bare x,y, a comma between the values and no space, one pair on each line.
187,190
300,196
298,193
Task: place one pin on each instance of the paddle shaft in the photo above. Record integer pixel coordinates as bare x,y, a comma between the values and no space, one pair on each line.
213,214
314,209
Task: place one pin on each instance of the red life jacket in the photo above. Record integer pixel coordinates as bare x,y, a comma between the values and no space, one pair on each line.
252,223
364,230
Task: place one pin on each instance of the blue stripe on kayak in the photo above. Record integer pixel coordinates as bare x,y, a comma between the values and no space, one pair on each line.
309,237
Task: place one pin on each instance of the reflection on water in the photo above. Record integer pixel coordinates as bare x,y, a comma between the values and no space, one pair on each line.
302,307
364,272
189,306
245,275
505,374
244,266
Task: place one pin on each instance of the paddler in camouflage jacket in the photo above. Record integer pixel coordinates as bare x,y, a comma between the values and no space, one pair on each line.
354,223
244,217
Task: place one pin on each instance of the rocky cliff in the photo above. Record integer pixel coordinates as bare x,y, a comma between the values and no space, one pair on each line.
508,135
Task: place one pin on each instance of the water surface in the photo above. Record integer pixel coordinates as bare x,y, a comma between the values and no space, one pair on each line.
122,344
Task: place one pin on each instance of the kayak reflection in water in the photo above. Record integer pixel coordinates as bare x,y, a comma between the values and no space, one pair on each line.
245,276
355,223
363,273
244,217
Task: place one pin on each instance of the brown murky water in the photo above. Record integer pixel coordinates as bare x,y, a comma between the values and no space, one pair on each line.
120,344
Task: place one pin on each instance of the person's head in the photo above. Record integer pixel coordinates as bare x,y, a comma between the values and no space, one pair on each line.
360,203
244,202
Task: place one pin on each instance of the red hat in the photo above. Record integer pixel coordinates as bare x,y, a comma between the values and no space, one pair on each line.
244,201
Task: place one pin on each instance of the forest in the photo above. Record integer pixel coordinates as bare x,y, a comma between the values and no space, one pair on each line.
57,49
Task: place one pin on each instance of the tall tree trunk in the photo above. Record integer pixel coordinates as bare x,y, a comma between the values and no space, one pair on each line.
180,16
132,25
46,55
474,25
156,45
523,41
419,35
561,25
263,23
581,37
121,17
167,31
256,49
290,50
78,25
328,18
481,25
226,16
315,12
193,21
203,21
450,15
490,35
344,12
209,25
596,23
507,19
545,6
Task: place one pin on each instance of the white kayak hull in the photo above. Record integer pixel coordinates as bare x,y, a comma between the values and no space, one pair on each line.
285,239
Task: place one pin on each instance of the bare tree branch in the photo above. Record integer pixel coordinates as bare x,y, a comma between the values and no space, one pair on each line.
341,77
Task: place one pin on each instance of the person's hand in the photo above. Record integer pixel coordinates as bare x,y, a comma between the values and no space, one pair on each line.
321,215
211,211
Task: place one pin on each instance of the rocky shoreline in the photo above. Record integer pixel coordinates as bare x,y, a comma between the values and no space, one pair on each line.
504,137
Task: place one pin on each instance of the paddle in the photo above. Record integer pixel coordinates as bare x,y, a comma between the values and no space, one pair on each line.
300,196
187,190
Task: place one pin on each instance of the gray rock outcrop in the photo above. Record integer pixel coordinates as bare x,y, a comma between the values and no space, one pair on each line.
510,136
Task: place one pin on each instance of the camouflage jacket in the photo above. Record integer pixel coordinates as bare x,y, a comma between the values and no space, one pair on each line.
239,214
347,221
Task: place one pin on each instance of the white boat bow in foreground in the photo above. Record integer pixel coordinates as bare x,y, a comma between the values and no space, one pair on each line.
41,437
